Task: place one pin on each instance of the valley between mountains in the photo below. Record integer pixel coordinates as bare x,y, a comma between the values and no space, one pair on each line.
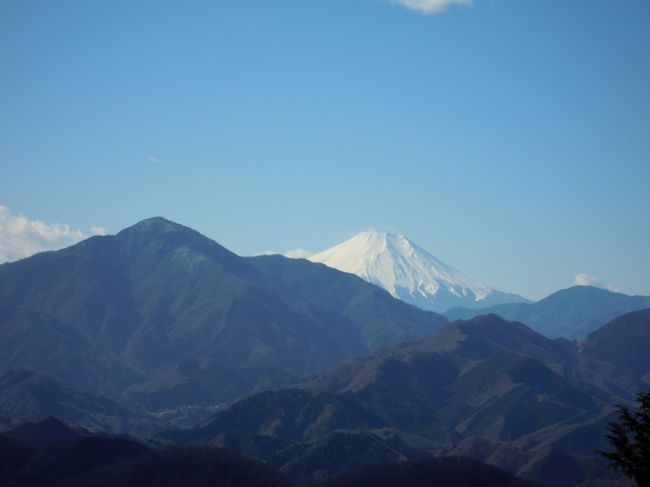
307,371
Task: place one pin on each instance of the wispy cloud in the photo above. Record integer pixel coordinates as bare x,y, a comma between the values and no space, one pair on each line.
21,237
154,160
298,253
431,6
587,280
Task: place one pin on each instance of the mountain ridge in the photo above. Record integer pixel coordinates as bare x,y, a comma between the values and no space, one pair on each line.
572,313
489,388
160,311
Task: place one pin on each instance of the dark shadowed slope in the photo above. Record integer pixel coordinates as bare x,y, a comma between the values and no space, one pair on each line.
383,320
571,313
291,414
337,452
486,377
45,431
546,465
27,395
625,342
435,472
49,453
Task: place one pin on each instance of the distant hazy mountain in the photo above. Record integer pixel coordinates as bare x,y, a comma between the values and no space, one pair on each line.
571,313
624,341
410,273
163,317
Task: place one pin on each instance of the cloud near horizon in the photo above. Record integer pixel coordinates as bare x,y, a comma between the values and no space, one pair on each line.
431,6
298,253
587,280
21,237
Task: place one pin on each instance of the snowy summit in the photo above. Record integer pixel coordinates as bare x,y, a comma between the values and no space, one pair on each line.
410,273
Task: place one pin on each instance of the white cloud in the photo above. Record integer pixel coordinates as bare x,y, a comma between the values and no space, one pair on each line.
431,6
298,253
587,280
154,160
21,237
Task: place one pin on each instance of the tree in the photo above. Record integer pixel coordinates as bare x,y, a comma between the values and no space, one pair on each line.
630,437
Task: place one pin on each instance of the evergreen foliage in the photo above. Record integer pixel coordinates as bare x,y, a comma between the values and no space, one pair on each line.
630,437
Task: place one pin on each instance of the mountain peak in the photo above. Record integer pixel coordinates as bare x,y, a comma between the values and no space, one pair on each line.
153,228
378,234
156,224
377,241
408,272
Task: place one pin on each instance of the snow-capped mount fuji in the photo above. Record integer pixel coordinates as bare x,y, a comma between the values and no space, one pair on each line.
410,273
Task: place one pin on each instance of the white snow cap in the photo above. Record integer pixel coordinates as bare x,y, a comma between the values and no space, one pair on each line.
408,272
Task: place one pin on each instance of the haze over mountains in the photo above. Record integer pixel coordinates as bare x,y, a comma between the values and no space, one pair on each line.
160,330
410,273
487,388
570,313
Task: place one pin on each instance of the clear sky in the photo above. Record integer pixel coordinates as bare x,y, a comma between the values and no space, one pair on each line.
510,138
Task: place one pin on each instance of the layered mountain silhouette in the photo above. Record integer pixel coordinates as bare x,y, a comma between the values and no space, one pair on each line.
25,395
472,377
51,453
570,313
161,316
485,380
308,369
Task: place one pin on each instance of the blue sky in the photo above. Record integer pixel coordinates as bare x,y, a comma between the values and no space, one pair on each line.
509,138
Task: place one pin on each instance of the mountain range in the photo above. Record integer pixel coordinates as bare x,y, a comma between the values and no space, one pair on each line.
308,369
487,388
410,273
26,395
160,317
570,313
51,453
